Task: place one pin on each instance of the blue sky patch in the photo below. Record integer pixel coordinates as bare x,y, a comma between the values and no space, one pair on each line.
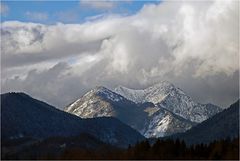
51,12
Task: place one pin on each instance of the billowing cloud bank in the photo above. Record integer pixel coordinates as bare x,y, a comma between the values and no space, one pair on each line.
194,45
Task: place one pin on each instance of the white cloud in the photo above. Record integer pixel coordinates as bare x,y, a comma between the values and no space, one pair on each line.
178,41
4,9
209,39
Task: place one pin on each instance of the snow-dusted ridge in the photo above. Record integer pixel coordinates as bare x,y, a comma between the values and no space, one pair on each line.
159,110
166,95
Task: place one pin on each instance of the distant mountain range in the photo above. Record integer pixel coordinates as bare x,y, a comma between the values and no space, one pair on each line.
105,119
110,119
24,117
157,111
221,126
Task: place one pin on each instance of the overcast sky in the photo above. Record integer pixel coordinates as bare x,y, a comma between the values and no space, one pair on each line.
56,54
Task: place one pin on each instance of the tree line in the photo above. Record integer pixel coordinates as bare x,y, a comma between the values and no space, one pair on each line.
162,149
227,149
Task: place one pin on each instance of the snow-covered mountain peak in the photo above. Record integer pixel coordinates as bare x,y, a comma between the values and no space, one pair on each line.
166,95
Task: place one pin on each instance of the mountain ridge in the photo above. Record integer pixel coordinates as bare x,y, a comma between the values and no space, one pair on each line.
101,101
24,116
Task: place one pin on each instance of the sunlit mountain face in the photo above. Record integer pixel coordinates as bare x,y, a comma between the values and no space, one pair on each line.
119,80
